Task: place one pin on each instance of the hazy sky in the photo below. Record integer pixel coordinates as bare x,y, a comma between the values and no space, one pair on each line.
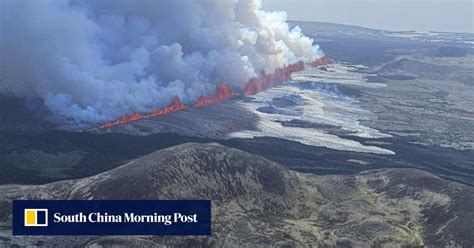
419,15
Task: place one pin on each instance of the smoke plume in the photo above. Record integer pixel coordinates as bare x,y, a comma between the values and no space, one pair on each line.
92,61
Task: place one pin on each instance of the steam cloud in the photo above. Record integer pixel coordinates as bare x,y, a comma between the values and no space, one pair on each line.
92,61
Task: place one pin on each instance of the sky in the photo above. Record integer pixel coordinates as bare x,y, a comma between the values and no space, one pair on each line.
400,15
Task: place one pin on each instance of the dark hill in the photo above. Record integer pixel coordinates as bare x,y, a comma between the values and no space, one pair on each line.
257,202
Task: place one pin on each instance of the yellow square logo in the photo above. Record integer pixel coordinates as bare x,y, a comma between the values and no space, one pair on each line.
36,217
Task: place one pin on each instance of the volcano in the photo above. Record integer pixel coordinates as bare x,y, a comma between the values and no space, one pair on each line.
175,105
266,81
224,92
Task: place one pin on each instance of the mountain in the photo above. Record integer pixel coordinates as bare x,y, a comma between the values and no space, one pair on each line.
257,202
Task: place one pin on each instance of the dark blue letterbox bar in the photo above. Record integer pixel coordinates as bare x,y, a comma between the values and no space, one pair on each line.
111,217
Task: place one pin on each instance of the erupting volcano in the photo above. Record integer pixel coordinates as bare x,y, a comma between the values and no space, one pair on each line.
113,62
266,81
224,92
175,105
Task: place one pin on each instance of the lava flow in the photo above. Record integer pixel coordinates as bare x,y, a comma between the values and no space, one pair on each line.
224,92
175,105
123,120
266,81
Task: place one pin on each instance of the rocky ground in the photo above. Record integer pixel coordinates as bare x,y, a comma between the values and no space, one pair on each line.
406,94
257,202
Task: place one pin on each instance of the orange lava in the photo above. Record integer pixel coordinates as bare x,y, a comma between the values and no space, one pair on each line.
266,81
175,105
123,120
223,93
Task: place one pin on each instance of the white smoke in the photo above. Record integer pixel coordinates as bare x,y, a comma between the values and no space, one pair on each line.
93,61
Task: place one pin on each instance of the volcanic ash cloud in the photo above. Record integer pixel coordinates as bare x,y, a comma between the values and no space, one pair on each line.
92,61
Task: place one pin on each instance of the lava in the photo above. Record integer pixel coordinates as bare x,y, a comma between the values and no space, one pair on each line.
223,93
175,105
266,81
123,120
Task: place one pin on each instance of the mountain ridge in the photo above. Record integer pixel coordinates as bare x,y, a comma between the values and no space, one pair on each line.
257,202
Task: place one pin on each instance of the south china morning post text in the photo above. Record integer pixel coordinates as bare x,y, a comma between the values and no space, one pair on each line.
98,217
111,217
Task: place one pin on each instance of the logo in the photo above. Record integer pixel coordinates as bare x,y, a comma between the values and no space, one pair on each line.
36,217
111,217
